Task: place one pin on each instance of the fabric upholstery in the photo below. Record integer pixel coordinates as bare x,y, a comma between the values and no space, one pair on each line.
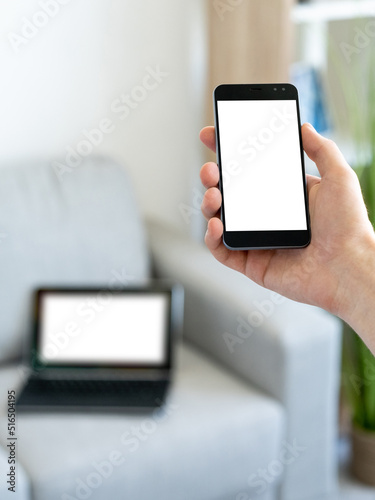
215,433
84,229
287,349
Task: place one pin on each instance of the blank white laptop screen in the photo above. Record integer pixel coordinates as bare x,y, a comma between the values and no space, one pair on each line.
104,328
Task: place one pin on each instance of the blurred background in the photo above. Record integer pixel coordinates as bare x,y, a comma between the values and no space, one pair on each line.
132,80
67,66
66,76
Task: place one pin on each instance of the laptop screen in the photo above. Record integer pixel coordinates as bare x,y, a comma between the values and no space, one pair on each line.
127,328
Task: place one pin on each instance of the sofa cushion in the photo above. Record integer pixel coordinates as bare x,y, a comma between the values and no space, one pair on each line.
81,229
214,433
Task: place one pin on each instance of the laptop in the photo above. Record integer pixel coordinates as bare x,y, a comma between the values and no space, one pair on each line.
102,349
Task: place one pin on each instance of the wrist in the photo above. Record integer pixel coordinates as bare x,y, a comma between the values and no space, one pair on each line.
356,285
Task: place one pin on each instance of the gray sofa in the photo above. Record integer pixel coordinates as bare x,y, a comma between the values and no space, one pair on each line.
252,409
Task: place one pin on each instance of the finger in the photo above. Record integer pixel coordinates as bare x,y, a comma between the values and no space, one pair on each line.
207,136
214,241
209,174
323,152
211,203
214,235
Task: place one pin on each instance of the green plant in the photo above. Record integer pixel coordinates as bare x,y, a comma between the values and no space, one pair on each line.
359,379
357,82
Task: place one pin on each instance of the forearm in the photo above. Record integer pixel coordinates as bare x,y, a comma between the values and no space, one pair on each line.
357,283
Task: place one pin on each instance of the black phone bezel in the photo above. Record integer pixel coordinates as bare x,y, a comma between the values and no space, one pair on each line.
248,240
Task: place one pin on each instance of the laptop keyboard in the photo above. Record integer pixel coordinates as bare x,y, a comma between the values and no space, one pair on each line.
73,392
92,386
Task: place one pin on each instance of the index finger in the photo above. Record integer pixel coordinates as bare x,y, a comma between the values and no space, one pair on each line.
207,136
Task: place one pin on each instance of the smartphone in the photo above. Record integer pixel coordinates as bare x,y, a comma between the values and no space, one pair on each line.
262,173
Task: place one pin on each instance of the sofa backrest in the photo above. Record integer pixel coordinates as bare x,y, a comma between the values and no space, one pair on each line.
82,229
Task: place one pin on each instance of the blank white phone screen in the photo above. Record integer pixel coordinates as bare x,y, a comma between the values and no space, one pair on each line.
104,328
261,165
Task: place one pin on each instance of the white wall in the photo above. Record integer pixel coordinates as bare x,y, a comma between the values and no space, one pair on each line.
66,75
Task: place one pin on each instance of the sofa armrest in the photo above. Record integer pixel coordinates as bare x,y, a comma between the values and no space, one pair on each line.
287,349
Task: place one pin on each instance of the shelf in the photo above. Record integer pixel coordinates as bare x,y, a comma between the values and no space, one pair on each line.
332,10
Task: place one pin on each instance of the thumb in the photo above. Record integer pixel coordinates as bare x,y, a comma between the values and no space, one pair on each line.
323,152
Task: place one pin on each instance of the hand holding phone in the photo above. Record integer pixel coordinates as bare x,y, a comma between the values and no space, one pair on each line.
260,158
